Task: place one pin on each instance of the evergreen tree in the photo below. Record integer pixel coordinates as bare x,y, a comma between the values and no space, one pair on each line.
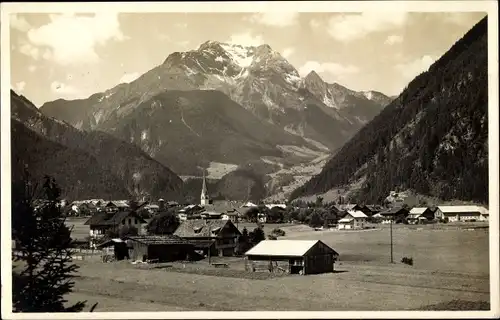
164,223
42,242
257,235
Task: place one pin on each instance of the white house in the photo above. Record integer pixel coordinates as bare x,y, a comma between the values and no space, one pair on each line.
461,213
353,220
420,214
103,222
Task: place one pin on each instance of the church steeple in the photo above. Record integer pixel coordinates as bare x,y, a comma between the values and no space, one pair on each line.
204,199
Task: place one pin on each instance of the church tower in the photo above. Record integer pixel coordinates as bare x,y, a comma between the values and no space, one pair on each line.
204,199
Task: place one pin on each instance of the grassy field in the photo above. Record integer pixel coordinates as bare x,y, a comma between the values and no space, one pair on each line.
450,269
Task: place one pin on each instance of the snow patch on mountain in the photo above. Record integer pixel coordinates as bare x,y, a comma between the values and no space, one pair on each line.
368,95
98,116
293,79
240,55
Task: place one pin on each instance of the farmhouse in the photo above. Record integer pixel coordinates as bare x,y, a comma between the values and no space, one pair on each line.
103,222
224,232
420,214
233,216
292,256
353,220
461,213
395,214
164,248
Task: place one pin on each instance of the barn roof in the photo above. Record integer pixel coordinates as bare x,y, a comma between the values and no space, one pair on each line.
393,210
118,203
463,209
356,214
418,210
201,227
158,239
287,248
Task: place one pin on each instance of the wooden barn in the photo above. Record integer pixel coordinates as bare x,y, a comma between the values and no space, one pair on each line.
395,215
223,232
164,248
292,256
421,215
116,248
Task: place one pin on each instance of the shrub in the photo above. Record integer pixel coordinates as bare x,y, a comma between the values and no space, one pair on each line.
408,261
272,237
278,232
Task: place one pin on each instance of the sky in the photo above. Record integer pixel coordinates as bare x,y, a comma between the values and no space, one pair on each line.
73,56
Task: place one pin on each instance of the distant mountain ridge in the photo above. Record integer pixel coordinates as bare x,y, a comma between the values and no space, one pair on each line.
432,139
224,103
125,169
257,78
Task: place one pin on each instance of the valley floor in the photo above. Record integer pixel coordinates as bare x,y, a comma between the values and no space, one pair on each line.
449,264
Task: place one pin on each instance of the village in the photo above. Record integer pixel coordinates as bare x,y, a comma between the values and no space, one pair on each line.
139,231
135,250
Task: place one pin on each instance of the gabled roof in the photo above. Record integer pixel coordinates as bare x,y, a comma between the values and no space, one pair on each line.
418,210
249,204
463,209
287,248
201,228
158,239
118,203
113,218
356,214
345,220
393,210
279,205
374,207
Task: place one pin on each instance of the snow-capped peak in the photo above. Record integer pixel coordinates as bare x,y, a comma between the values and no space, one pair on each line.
368,95
242,56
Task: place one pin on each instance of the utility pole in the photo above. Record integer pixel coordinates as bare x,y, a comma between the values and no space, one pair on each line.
392,259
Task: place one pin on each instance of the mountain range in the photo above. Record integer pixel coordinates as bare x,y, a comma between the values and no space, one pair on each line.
86,164
243,108
432,139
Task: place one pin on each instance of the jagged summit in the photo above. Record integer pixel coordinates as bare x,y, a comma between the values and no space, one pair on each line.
313,76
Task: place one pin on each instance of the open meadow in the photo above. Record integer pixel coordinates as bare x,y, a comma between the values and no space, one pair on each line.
450,263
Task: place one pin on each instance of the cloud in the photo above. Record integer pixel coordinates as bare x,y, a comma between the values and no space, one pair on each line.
32,68
184,43
274,19
20,86
459,18
314,24
287,52
129,77
72,39
413,68
63,89
29,50
327,67
350,27
393,39
246,39
19,23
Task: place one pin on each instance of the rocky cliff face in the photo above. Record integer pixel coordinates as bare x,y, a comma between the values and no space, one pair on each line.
433,139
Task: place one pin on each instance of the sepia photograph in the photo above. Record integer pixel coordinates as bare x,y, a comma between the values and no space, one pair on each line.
278,159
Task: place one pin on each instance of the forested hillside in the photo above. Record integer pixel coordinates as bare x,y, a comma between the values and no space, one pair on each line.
433,138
